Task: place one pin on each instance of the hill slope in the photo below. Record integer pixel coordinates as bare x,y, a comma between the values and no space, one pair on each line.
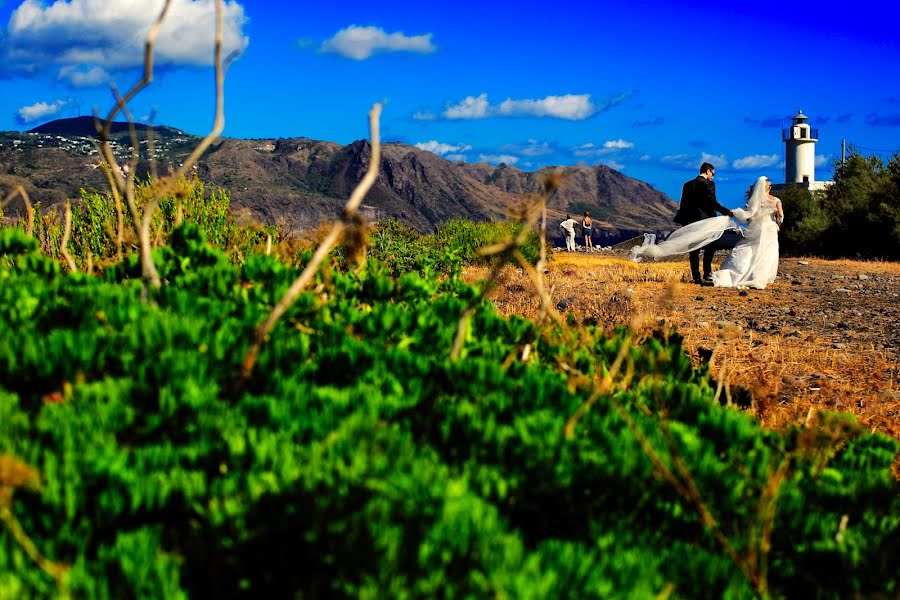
299,181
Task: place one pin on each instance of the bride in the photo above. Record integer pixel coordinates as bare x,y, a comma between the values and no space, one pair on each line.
753,263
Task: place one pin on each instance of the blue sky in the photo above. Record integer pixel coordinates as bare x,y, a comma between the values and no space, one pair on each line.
648,87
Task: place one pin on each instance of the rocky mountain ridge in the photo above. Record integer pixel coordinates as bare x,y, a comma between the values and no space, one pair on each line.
299,181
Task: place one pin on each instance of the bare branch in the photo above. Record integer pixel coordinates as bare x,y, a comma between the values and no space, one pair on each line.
63,245
29,210
141,225
135,146
148,73
219,121
604,388
120,216
151,147
306,277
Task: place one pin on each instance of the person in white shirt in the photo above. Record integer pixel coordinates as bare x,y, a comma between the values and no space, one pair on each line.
568,227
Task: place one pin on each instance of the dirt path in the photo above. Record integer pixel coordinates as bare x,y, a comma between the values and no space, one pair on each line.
824,336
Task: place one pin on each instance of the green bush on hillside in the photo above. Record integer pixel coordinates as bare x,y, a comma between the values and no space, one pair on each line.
857,217
458,242
360,461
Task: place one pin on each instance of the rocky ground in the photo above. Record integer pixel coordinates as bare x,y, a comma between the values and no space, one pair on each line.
824,336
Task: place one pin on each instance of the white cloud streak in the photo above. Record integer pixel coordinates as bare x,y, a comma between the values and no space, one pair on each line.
756,161
441,149
469,108
498,158
39,110
84,77
618,144
570,107
75,37
360,43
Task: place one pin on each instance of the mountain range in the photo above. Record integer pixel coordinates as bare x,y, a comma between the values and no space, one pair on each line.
299,181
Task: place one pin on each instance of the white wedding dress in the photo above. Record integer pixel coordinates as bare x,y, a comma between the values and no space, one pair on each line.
753,263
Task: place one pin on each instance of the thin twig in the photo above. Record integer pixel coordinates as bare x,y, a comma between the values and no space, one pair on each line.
29,210
63,245
300,284
145,80
150,275
601,390
502,252
120,215
766,517
219,121
55,570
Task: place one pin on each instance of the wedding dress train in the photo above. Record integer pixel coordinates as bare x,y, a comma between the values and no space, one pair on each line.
753,263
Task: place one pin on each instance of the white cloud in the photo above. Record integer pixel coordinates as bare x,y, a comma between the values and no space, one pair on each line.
822,160
716,160
571,107
79,35
609,147
470,108
441,149
84,77
359,43
455,157
646,157
618,144
498,158
756,161
39,110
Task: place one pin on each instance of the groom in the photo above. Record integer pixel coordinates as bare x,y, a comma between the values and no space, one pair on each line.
698,201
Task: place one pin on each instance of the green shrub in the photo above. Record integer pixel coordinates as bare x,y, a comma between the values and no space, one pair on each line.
358,460
458,242
857,217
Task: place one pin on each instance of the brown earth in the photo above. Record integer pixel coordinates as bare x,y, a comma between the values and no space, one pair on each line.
823,336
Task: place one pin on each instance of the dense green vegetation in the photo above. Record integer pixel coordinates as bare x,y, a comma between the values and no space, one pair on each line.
95,223
402,249
857,217
360,461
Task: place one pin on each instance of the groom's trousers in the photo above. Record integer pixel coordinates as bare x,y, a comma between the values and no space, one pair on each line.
694,258
726,242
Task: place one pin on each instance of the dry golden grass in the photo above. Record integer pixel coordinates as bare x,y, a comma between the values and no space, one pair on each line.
789,365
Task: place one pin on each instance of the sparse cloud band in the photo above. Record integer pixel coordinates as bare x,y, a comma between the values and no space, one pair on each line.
442,149
569,107
39,111
756,161
359,43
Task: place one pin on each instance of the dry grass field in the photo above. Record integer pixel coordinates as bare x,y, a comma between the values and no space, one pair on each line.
824,336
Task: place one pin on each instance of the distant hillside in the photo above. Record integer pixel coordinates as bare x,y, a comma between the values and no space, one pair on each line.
299,181
85,127
613,199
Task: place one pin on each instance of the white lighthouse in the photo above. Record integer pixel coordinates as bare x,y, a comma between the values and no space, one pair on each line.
800,152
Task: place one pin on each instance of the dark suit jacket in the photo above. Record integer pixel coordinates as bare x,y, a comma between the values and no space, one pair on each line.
698,201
